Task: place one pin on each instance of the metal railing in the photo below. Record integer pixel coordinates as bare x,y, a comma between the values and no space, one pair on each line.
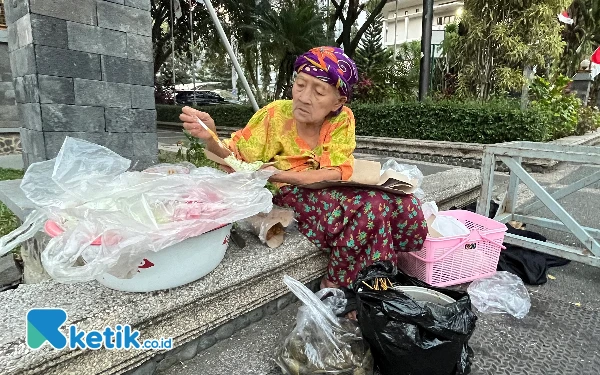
512,154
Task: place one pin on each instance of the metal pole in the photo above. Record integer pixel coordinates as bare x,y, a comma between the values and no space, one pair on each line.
173,49
396,31
225,42
425,49
192,51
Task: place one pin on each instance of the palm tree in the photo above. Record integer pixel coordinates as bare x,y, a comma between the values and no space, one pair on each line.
583,36
286,33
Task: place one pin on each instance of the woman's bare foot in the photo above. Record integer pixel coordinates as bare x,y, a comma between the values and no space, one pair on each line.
352,315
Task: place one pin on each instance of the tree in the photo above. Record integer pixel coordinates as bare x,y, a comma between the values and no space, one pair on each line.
372,58
161,29
503,37
581,37
286,33
348,11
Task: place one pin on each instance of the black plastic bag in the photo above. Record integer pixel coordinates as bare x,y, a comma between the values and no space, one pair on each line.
410,338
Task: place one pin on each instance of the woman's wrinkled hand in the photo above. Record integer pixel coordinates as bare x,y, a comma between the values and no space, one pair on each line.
189,117
226,169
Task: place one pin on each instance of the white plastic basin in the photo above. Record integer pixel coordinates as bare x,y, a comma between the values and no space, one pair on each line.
176,265
173,266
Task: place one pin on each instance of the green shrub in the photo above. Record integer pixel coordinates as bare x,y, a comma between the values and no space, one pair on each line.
562,107
471,122
589,120
224,115
451,121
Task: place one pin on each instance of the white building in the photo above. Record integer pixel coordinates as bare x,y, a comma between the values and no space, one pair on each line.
406,24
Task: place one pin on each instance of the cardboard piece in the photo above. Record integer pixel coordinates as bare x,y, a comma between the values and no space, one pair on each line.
270,227
367,175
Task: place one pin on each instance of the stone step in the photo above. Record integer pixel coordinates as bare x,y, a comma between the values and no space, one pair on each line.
246,286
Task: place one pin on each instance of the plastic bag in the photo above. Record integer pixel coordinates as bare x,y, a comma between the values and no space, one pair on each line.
411,338
501,293
442,225
110,216
322,343
410,171
269,227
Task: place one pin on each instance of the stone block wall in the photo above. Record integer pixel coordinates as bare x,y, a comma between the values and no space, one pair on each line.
83,68
9,112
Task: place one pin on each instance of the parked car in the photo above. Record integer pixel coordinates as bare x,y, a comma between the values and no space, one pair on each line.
202,98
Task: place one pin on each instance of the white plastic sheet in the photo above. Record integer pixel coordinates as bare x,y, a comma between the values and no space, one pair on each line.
89,191
442,225
502,293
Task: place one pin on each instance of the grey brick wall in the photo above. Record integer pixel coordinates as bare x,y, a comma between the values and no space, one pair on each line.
81,68
9,113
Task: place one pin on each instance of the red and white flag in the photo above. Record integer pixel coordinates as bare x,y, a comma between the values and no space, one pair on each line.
595,63
564,18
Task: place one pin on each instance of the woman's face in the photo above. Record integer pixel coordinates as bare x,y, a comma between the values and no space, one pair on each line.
313,99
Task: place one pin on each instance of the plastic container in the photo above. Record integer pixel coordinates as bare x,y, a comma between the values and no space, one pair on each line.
455,260
423,295
173,266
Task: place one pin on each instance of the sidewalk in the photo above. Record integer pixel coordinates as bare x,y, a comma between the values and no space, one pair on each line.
12,161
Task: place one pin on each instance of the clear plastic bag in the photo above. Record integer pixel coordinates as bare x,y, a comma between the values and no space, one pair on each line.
410,171
110,216
322,343
269,227
501,293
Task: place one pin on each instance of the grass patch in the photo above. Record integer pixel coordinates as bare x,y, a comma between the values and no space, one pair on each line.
8,220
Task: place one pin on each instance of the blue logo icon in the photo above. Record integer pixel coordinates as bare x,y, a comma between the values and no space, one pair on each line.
44,325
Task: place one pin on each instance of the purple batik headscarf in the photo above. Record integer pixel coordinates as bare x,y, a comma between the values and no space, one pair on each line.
330,65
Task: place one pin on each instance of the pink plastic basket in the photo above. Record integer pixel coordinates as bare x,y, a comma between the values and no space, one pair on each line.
460,259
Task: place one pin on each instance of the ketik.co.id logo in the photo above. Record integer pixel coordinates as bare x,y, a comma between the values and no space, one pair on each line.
43,325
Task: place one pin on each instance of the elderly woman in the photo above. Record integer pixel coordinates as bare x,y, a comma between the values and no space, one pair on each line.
311,138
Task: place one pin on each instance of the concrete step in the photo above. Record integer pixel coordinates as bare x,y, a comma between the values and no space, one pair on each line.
245,287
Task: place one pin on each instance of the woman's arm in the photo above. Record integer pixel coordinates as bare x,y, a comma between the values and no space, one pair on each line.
306,177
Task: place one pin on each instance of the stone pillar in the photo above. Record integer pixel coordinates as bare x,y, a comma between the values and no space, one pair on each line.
9,113
582,82
83,68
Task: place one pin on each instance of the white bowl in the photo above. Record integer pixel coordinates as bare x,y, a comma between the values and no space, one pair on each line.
176,265
423,295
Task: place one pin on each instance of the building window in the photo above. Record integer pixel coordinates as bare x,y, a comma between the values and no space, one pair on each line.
439,21
2,17
417,10
406,12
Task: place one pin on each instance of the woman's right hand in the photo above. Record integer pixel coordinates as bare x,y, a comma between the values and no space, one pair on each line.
189,117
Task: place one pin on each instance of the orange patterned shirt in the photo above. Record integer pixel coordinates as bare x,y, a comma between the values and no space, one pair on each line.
271,136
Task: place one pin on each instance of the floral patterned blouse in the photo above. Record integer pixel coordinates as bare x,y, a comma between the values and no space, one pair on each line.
271,136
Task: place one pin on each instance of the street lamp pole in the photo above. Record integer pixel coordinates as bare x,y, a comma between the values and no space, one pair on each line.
396,31
425,49
192,50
